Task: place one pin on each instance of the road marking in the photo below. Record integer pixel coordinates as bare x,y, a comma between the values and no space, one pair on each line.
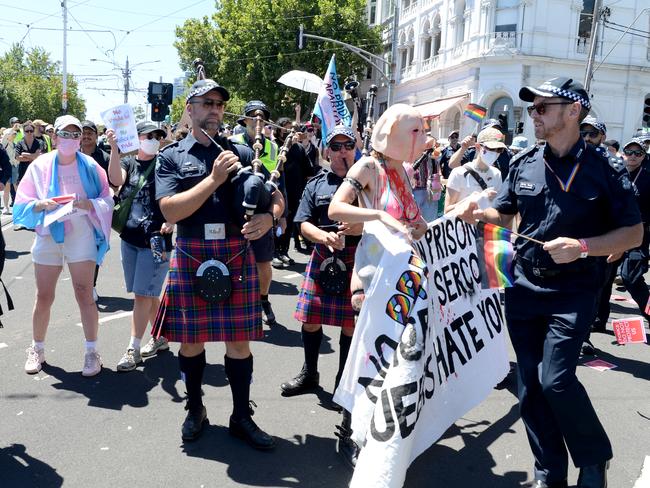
292,276
115,316
644,479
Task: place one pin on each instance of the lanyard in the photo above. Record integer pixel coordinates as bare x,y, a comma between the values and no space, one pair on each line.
637,175
565,185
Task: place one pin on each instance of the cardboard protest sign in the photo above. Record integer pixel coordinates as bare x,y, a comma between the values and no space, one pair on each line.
629,330
428,347
122,120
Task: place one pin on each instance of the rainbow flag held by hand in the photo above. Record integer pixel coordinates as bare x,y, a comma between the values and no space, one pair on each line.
475,112
495,252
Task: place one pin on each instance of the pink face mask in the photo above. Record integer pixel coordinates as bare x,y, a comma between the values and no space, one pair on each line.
67,147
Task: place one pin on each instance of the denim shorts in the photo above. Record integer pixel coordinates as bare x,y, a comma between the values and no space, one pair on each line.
14,174
142,275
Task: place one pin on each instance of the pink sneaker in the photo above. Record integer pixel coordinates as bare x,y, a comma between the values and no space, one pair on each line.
92,364
35,360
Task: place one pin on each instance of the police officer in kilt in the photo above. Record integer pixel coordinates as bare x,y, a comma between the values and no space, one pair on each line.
212,293
325,294
572,200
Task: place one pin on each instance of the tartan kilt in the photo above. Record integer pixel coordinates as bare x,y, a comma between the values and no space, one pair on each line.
183,316
317,307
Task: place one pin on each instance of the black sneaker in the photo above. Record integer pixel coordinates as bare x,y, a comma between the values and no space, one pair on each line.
302,383
267,313
277,262
286,259
588,349
194,423
248,430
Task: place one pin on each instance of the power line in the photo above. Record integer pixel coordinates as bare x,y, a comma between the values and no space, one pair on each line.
625,27
630,33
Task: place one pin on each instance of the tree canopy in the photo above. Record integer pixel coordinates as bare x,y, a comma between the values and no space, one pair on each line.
30,87
246,45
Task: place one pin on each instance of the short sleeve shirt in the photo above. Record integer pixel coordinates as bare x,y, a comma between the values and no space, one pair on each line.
316,199
183,164
597,199
23,147
465,184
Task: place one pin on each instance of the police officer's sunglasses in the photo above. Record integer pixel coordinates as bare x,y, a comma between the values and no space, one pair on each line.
589,133
632,152
65,134
337,146
540,108
208,103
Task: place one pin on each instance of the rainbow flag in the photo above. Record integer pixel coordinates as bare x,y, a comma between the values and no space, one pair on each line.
495,252
475,112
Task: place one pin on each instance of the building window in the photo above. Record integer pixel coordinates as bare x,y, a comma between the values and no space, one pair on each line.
586,19
426,42
500,106
460,25
437,35
382,108
372,14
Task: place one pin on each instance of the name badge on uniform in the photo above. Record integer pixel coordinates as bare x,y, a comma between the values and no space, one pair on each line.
526,186
214,232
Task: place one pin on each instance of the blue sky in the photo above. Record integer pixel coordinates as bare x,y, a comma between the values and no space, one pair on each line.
108,31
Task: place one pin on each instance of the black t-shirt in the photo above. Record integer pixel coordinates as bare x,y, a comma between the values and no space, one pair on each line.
145,216
23,147
183,164
102,158
297,170
5,166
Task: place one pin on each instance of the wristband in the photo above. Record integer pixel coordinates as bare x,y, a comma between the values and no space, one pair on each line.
275,221
584,248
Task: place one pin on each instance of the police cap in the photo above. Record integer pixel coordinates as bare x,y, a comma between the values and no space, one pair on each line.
557,87
201,87
341,130
595,123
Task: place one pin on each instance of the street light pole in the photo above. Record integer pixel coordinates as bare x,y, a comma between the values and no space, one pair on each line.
126,73
64,80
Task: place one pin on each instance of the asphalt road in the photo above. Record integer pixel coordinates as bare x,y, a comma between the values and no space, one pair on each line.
123,430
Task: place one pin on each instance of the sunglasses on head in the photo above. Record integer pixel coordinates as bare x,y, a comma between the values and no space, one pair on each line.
337,146
589,133
540,108
209,103
68,135
633,152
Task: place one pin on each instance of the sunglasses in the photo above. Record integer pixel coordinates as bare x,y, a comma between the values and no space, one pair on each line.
589,133
310,130
68,135
498,150
151,135
633,152
208,103
540,108
28,131
337,146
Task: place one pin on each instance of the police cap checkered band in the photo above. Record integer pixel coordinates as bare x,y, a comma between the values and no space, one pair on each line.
201,87
637,140
557,87
341,130
595,123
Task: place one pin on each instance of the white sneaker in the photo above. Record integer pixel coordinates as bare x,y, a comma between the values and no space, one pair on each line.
130,360
92,364
153,346
6,211
95,295
35,360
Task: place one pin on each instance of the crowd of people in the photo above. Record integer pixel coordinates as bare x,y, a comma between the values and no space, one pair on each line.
585,197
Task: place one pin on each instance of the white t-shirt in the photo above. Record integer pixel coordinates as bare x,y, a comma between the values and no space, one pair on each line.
465,184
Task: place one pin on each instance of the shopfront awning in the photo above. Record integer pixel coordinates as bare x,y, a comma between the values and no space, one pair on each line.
437,107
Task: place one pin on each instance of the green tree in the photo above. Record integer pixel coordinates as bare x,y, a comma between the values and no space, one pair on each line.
31,87
246,45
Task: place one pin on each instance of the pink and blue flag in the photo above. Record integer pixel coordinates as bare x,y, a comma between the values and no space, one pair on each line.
330,106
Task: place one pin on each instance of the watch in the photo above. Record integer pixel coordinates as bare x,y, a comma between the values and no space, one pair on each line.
584,248
275,221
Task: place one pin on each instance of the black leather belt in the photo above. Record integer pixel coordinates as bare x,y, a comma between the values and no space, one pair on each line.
197,231
540,272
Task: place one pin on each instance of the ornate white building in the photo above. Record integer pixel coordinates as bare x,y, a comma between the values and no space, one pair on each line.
454,52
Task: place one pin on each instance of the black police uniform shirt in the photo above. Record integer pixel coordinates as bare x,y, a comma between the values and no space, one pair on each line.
640,178
598,200
182,164
445,156
614,161
145,216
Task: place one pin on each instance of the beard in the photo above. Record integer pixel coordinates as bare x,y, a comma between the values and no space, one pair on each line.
210,125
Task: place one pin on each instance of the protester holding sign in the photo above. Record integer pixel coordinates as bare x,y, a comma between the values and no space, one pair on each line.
570,199
384,193
81,240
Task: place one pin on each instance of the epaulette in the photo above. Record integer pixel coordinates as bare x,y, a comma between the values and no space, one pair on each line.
171,144
319,176
529,151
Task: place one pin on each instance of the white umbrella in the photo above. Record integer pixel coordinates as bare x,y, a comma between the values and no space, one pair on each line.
302,80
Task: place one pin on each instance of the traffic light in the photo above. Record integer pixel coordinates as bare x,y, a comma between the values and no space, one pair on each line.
159,110
503,122
646,112
520,128
160,92
301,41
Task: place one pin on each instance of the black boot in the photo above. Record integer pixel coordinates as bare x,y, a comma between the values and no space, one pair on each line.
308,378
197,417
347,448
241,425
594,476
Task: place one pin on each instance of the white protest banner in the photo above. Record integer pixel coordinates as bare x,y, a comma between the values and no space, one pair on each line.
429,346
122,121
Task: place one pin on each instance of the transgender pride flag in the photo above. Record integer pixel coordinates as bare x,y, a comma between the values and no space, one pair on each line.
330,106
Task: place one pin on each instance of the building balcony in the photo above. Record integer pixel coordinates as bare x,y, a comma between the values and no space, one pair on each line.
506,39
429,64
408,72
410,10
582,45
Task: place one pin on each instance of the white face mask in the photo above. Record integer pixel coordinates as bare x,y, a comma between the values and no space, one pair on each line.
489,157
150,146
